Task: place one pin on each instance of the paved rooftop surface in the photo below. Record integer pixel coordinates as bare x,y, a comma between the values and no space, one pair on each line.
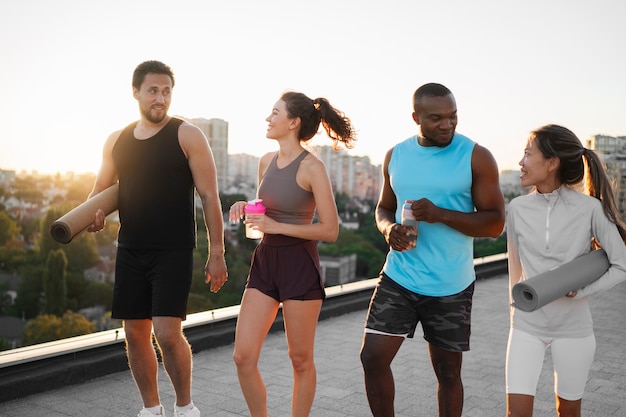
340,390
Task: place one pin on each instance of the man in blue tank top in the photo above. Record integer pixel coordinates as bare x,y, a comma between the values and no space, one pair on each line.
452,187
158,162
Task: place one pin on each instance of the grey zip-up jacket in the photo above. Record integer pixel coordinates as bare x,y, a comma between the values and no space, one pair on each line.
548,230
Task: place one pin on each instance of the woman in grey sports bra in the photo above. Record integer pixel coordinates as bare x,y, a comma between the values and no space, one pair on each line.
293,185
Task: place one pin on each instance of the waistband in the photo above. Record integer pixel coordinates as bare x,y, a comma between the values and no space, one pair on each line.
282,240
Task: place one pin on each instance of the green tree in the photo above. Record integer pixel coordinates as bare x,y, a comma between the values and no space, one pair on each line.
238,262
369,258
12,259
228,200
76,286
9,230
28,189
488,246
97,294
55,282
78,190
108,235
43,328
369,231
81,252
5,298
30,291
48,327
5,345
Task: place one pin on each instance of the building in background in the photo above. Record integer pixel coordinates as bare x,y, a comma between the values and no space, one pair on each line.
216,131
242,175
7,177
337,270
612,150
352,175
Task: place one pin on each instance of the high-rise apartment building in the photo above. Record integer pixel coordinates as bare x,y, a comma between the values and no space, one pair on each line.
612,150
216,131
354,176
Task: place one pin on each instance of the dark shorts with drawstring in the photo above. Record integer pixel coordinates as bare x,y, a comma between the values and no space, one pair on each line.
286,268
151,282
446,320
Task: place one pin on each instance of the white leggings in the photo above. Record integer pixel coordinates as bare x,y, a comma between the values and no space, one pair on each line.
571,358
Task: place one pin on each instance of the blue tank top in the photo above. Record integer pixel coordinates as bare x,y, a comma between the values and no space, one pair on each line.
442,263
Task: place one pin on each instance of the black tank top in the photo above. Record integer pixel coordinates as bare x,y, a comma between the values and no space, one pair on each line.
156,197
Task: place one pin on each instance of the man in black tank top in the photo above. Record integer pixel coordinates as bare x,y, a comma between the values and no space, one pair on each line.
158,161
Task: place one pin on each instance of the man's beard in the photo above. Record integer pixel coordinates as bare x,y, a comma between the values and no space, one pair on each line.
151,118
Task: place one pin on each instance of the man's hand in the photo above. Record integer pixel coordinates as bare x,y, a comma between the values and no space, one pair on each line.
425,211
99,222
216,272
400,238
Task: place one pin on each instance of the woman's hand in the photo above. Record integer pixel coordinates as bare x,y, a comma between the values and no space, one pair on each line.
263,223
236,211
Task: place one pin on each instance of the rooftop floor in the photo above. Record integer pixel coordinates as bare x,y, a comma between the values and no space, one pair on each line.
340,390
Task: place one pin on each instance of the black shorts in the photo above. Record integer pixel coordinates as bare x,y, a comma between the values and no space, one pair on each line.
286,268
445,320
152,282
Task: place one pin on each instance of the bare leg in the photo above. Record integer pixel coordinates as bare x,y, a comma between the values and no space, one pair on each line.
519,405
256,315
142,360
176,354
447,366
377,353
566,408
300,325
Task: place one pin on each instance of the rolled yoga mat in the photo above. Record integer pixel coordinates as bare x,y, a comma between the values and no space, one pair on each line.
78,219
546,287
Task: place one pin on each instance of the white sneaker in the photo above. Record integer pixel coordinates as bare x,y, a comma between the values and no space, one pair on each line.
147,413
194,412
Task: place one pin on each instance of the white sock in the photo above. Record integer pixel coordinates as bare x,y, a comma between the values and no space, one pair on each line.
157,410
184,408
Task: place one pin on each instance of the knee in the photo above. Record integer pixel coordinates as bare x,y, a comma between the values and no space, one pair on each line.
301,361
169,341
370,361
448,372
242,359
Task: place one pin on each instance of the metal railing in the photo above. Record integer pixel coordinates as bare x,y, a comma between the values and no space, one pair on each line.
37,368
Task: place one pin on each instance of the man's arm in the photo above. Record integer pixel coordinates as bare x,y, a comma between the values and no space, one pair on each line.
387,204
488,219
202,165
106,177
398,237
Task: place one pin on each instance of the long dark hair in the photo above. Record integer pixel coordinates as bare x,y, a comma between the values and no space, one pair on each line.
313,112
560,142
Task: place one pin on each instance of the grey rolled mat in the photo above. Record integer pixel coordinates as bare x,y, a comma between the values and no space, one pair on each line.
546,287
78,219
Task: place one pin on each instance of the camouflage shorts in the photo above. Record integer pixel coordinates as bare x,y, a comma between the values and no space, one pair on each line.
445,320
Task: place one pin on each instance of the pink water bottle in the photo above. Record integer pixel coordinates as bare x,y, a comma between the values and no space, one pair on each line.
254,207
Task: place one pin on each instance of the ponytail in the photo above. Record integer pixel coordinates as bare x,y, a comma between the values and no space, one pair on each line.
560,142
313,112
598,185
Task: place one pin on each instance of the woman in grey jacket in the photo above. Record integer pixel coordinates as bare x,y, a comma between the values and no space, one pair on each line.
554,224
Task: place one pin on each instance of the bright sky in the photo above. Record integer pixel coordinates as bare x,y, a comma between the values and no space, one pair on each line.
512,66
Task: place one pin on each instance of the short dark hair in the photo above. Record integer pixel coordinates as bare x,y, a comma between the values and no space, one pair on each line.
150,67
430,90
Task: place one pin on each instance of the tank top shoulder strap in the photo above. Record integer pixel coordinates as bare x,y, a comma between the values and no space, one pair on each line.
300,157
